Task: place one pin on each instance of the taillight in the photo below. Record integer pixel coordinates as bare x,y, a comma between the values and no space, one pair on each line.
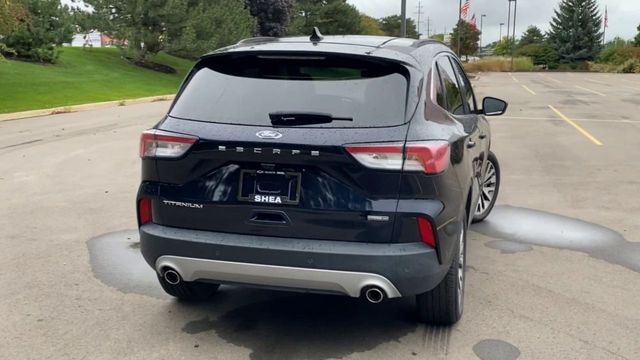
426,232
162,144
144,211
431,157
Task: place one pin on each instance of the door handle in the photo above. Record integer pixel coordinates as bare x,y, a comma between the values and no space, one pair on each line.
471,144
483,136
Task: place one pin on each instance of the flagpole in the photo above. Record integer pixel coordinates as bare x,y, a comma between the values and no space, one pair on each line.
606,20
459,29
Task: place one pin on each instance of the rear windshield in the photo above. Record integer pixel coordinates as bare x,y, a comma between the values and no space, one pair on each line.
245,89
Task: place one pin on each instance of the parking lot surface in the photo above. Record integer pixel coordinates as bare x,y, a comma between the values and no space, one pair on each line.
553,272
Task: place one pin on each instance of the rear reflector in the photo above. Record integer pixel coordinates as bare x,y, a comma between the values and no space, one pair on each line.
162,144
144,211
431,157
426,232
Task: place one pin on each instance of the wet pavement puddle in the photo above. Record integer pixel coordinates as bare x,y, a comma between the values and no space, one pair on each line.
492,349
117,262
533,227
275,324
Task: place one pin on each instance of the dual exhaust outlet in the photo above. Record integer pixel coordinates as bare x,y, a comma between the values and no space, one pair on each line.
372,293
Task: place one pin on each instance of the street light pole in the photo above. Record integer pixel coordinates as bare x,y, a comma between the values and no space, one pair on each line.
513,47
481,22
501,25
403,20
458,26
509,19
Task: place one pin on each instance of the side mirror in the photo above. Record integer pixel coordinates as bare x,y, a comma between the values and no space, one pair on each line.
494,107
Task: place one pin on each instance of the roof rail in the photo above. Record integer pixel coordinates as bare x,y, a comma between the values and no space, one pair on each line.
258,40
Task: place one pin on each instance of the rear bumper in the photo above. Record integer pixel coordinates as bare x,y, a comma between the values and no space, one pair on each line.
300,264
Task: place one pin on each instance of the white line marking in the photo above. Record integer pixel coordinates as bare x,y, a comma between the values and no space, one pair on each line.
591,91
529,90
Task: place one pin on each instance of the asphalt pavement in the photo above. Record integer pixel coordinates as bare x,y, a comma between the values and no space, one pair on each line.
553,272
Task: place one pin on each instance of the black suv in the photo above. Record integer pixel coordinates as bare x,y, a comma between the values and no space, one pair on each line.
347,165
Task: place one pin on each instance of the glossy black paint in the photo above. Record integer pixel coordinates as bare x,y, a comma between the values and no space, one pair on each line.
337,193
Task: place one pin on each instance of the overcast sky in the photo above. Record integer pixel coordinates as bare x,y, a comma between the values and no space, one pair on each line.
624,15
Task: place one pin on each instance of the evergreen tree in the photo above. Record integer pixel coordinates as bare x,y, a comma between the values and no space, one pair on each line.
46,25
272,16
201,26
391,25
533,35
142,22
332,17
636,41
576,30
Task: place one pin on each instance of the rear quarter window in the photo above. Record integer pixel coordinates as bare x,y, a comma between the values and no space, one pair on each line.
245,89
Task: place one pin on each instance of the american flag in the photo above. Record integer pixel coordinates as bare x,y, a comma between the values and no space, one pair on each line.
606,18
473,20
464,10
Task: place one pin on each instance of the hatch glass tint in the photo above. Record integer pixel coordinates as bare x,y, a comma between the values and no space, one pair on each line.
245,89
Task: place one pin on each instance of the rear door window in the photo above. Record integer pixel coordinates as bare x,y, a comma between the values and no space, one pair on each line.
467,91
245,89
453,94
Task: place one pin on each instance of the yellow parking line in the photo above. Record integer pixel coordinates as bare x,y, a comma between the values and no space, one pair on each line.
529,90
589,90
514,79
576,126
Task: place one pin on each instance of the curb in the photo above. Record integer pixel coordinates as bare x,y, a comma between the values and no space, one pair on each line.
83,107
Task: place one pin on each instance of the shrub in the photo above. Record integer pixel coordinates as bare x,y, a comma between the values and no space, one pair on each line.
631,66
618,55
499,64
540,54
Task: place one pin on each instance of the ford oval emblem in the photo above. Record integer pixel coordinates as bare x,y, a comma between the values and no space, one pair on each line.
268,134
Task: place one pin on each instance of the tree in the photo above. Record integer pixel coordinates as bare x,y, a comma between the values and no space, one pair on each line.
504,46
49,25
533,35
332,17
469,38
391,25
636,40
272,16
201,26
142,22
370,26
540,54
12,13
576,30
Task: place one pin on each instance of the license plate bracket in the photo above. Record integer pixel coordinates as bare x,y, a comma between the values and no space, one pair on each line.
270,187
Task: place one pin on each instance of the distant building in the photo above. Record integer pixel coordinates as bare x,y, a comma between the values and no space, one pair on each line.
95,39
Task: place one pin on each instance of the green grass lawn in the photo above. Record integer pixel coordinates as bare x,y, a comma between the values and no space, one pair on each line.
84,76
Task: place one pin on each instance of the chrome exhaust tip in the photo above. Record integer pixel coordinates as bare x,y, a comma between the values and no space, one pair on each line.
172,277
374,295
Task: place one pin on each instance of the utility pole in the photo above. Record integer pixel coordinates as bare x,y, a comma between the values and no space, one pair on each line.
403,19
428,27
419,13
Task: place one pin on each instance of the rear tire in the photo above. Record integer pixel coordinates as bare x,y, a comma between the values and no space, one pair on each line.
489,189
443,305
189,291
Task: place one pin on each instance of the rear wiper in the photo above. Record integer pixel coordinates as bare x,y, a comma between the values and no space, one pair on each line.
303,118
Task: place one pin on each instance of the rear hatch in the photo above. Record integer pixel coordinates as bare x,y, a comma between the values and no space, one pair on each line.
271,151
